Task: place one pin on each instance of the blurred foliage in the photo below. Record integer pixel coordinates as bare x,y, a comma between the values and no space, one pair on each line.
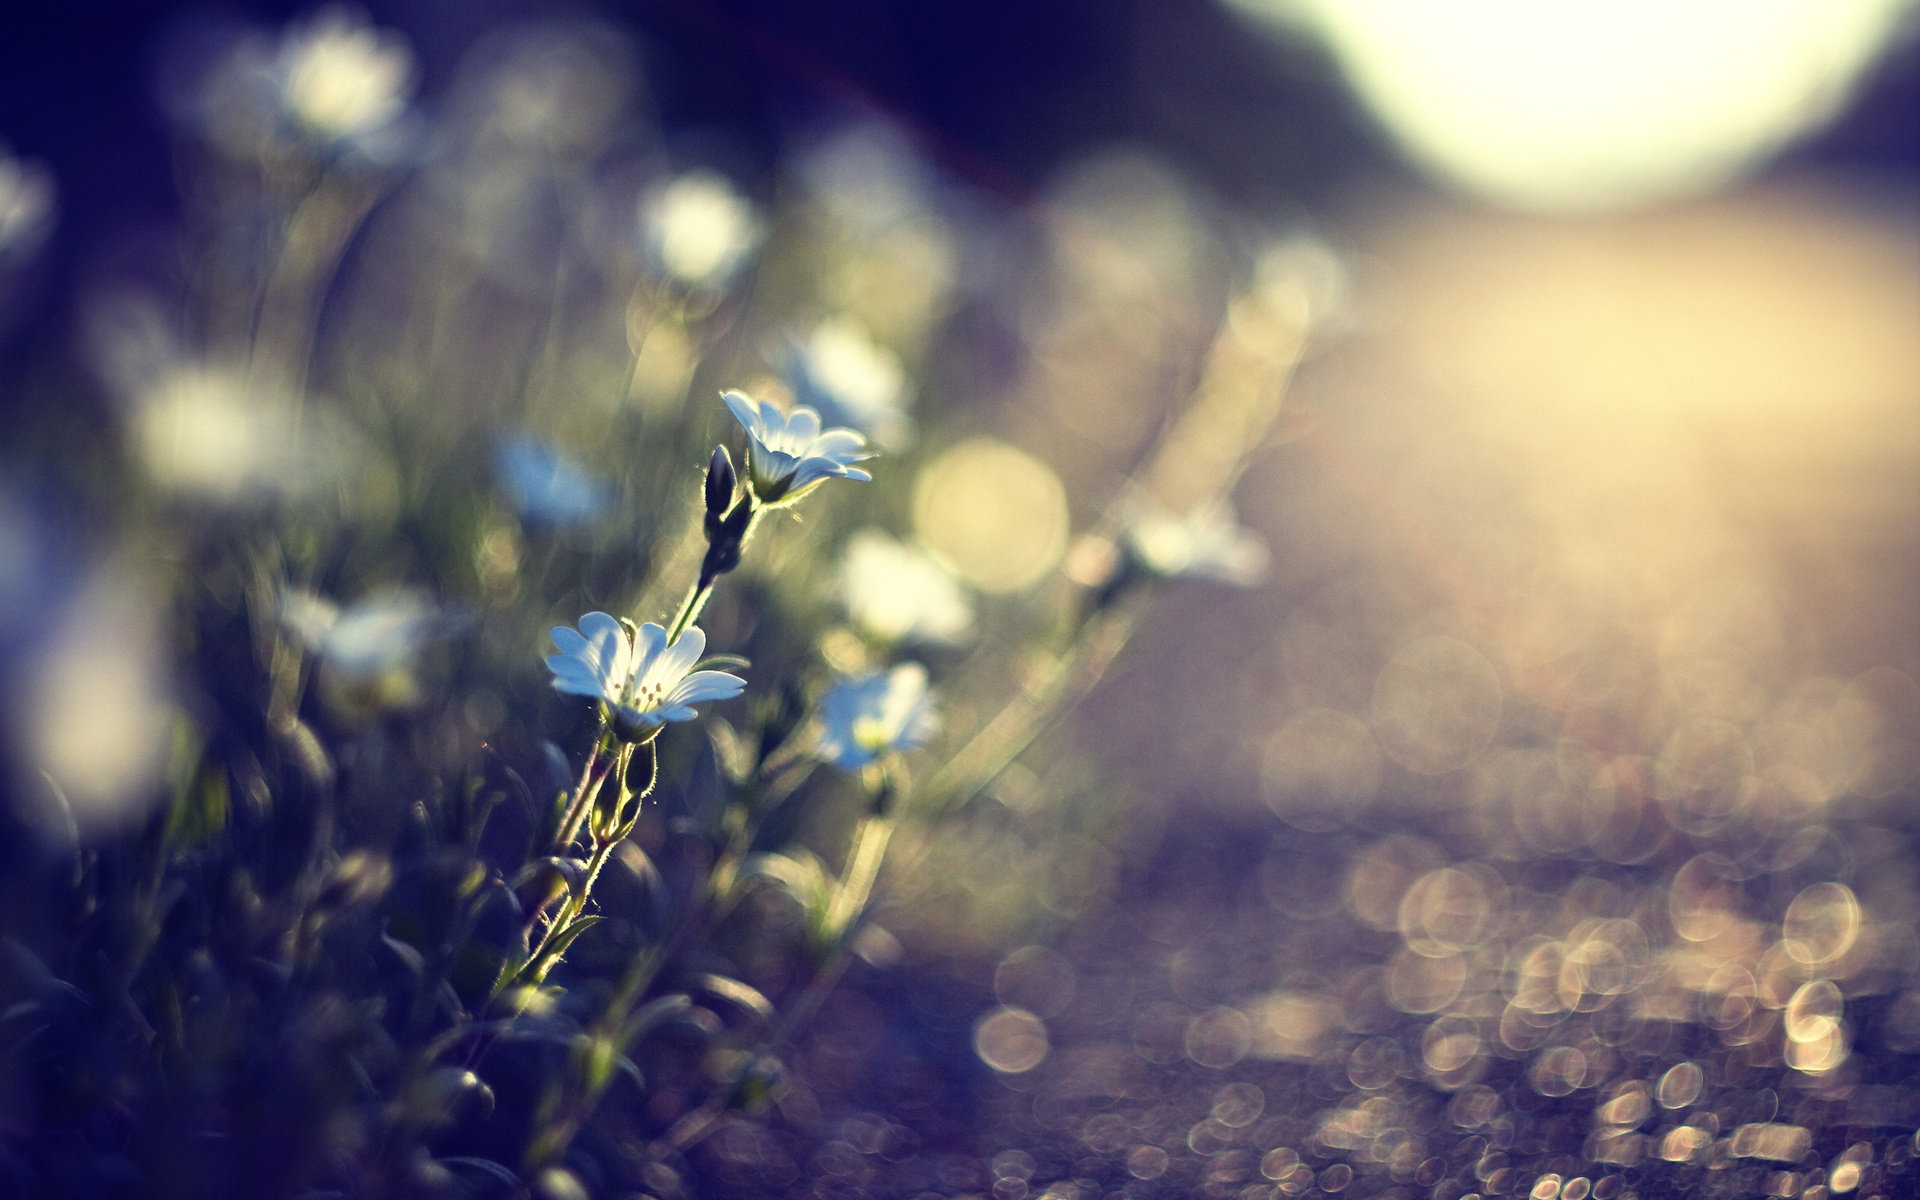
313,886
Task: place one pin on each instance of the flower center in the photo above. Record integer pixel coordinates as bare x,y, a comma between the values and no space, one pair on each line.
647,696
871,735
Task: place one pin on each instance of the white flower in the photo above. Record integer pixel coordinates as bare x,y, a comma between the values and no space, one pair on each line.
339,78
698,228
361,643
205,430
848,376
1204,544
26,205
788,454
873,715
547,485
898,592
648,683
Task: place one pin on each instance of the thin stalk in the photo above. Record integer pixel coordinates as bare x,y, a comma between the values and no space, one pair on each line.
1024,718
583,797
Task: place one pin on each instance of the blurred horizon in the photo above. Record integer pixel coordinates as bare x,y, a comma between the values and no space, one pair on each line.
1011,92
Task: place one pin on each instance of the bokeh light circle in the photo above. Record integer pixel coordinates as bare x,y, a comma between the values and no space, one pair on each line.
996,515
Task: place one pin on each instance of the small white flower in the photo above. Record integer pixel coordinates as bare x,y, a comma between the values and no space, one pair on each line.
205,430
339,78
849,377
788,454
698,229
547,485
646,683
871,716
1204,544
26,205
898,592
365,641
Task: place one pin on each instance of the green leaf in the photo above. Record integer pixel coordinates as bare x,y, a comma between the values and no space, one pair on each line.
643,1021
485,1166
737,994
558,943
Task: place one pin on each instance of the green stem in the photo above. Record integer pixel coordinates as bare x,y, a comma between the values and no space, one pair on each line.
1027,716
583,797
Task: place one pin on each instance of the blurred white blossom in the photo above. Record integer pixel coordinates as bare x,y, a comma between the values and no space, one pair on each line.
1205,544
871,716
26,205
90,706
203,430
898,592
840,370
331,84
340,78
698,229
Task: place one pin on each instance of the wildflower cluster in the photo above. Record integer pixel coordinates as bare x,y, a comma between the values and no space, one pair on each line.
462,782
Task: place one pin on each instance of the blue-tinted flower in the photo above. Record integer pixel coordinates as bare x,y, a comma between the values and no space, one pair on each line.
840,370
547,485
787,454
646,682
366,640
1205,544
898,592
871,716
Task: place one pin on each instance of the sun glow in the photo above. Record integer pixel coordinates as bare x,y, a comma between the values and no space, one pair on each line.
1585,104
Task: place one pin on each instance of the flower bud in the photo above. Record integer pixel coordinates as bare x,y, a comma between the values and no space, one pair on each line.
726,537
721,482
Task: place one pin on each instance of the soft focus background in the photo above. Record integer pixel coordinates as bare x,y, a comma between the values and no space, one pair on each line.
1543,823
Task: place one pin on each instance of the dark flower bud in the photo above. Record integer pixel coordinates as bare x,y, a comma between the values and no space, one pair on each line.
726,537
721,482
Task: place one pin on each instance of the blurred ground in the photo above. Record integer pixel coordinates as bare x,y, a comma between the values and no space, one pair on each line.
1545,827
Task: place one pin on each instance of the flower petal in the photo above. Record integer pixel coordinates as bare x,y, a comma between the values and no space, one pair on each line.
636,717
570,676
803,426
653,639
676,660
706,685
843,444
744,411
598,625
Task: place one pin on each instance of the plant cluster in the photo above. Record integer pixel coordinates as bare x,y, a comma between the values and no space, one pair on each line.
344,895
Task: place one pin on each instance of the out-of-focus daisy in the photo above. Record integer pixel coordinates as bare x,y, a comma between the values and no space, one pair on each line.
897,592
1204,544
339,78
788,453
869,717
368,639
840,370
333,86
698,229
86,704
645,681
26,206
547,485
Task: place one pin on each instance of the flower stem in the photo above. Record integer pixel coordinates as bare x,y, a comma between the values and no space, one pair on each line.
1024,718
